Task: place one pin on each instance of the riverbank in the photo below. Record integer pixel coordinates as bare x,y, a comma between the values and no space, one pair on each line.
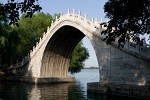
140,92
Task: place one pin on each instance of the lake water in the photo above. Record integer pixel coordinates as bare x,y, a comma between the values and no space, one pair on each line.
65,91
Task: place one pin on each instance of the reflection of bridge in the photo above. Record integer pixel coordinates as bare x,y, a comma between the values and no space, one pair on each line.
19,91
49,59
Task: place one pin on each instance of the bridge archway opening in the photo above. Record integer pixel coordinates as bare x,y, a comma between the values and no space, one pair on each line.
58,51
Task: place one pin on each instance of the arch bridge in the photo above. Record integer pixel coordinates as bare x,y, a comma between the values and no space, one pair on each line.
49,59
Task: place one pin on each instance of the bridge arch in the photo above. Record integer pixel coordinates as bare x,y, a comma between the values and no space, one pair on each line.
57,53
50,57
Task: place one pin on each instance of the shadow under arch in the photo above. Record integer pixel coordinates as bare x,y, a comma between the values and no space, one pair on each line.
58,51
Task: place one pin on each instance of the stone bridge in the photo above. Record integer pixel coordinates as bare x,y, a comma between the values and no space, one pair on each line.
49,59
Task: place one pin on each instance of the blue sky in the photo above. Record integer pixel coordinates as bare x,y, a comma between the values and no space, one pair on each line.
93,8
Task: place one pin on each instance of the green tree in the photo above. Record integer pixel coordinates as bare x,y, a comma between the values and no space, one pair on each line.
128,19
13,8
8,43
3,39
30,30
79,55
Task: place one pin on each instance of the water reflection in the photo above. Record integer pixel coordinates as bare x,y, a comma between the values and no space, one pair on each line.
14,91
53,91
65,91
101,96
22,91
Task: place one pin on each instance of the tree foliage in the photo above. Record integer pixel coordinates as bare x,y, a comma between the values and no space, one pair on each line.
128,19
13,45
79,55
9,41
30,30
13,8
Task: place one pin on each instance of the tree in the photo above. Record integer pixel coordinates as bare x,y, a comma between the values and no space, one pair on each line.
3,38
30,30
12,9
9,40
128,19
79,55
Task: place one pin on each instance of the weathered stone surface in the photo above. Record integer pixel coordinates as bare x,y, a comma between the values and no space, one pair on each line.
50,57
126,90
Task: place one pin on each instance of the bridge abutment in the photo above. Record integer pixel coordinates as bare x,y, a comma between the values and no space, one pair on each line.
50,57
125,70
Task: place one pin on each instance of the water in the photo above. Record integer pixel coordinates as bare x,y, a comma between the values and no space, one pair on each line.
65,91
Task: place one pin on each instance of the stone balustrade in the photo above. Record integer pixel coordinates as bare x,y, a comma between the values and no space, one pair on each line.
51,55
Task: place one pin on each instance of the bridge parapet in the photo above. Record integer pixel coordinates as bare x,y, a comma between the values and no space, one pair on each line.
50,57
93,26
138,50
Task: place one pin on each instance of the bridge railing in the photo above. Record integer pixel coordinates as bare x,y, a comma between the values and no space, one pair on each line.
141,49
92,25
138,50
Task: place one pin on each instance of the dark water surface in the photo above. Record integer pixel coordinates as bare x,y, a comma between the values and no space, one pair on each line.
65,91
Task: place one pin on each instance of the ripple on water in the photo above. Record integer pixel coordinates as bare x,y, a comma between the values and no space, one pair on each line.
65,91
